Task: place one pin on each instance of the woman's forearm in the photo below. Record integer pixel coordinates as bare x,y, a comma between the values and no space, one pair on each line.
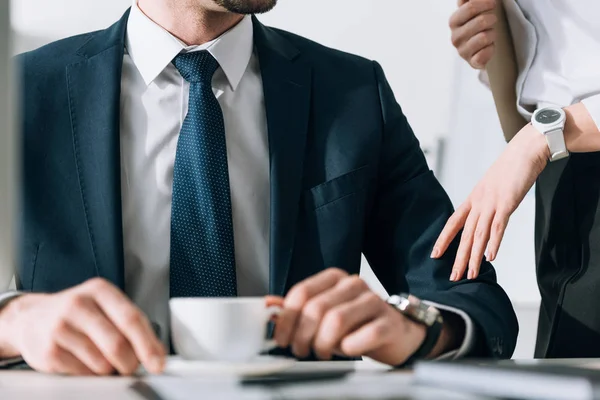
581,132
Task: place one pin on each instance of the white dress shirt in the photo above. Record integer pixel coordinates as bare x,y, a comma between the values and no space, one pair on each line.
557,46
154,103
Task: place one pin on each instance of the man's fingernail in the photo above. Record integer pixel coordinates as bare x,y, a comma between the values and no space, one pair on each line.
157,363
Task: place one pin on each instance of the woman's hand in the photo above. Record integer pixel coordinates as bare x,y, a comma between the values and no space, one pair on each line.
485,214
473,27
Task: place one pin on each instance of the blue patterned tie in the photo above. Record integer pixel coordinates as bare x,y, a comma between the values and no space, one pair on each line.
202,251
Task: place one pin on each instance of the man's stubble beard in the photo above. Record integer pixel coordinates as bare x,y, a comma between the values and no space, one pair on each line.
247,6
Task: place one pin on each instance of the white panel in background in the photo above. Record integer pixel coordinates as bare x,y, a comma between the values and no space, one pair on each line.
410,39
54,19
7,155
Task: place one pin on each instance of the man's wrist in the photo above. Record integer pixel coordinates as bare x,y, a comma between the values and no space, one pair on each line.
8,314
452,336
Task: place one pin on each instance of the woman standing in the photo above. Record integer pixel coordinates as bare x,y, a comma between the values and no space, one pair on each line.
543,66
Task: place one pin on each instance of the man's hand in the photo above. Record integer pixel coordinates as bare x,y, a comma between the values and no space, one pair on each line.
335,313
473,32
91,329
485,213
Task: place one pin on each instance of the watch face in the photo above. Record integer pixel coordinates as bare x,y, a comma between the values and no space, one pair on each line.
547,116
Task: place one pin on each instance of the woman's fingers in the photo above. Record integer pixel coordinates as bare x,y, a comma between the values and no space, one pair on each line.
467,11
464,249
480,242
482,57
477,44
497,233
453,226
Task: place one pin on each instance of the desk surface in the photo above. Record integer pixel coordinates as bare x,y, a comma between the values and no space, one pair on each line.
364,380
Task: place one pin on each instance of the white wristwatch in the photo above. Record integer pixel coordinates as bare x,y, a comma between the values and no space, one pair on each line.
550,121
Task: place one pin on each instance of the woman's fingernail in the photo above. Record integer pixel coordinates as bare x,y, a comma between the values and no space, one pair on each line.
453,276
435,253
471,273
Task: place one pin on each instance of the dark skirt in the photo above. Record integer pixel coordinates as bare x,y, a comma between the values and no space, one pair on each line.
567,245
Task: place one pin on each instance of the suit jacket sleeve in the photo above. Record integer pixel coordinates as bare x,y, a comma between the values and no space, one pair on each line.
408,213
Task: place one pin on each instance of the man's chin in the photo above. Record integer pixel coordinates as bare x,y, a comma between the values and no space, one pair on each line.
247,7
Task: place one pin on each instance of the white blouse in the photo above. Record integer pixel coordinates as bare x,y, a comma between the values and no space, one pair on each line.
557,45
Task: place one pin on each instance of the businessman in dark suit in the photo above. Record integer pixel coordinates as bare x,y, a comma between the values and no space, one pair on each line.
188,150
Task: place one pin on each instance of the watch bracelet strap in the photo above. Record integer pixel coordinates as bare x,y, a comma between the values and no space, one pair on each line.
556,139
431,338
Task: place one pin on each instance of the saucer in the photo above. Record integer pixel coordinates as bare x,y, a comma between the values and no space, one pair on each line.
259,366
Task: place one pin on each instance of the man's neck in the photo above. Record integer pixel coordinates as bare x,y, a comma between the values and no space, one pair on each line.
190,23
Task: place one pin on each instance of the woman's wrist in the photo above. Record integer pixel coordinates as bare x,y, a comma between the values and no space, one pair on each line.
534,143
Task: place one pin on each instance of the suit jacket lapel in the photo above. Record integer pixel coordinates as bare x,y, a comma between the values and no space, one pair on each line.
94,86
287,88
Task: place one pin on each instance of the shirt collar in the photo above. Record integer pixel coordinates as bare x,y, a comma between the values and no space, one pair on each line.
152,48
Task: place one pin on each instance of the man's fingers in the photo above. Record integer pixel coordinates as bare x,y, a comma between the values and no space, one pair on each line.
453,226
496,234
80,346
108,339
274,301
343,319
65,363
464,249
307,289
298,296
316,308
481,237
132,323
470,10
369,338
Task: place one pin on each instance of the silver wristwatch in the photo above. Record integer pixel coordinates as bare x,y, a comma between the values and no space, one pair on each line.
415,310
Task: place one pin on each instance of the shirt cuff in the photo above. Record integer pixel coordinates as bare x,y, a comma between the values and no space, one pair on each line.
8,296
4,299
469,338
592,104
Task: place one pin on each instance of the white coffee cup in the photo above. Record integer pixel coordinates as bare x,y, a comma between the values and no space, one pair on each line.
220,329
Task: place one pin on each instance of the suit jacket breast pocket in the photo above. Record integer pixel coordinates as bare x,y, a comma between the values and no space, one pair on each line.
337,210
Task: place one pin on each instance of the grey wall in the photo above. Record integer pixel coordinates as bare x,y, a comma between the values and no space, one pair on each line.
6,150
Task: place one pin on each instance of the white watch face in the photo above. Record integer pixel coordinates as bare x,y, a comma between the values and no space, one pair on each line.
548,116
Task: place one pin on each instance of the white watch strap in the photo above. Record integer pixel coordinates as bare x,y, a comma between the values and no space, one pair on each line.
556,143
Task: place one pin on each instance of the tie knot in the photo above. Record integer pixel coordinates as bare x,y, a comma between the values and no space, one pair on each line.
196,67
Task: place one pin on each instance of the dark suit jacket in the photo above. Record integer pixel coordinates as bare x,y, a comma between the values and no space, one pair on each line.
347,176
